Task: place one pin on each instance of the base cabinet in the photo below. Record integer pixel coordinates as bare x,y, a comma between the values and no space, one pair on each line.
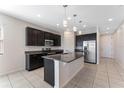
34,61
49,71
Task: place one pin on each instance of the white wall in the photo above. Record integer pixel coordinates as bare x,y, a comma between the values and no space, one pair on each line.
69,41
1,39
119,45
13,58
106,46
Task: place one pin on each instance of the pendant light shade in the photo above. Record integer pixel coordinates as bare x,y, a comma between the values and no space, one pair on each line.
80,32
65,23
74,28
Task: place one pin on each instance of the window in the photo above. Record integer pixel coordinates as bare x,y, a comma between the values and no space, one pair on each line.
1,40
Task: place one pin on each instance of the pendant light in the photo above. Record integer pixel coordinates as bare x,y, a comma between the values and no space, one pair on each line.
74,27
80,32
65,22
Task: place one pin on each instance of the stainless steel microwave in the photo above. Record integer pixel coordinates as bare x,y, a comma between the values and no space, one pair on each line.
49,42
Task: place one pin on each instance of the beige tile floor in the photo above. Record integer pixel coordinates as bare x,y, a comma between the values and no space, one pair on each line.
24,79
107,74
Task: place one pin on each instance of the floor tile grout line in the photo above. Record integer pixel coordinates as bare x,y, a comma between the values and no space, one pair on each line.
37,74
28,80
95,77
108,76
9,81
119,73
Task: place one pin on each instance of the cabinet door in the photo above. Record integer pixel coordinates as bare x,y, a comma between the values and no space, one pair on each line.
34,37
40,38
57,40
79,41
47,35
52,36
54,40
31,37
34,61
49,71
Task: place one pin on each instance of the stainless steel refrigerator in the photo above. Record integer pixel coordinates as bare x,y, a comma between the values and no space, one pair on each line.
89,48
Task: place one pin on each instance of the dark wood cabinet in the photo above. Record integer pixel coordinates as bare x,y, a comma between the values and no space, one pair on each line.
31,37
79,41
80,38
49,71
57,40
40,38
34,61
35,37
48,35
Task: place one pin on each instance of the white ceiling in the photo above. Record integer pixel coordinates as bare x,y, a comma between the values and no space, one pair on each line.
50,15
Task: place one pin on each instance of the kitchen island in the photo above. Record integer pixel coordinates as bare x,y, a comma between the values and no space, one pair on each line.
59,69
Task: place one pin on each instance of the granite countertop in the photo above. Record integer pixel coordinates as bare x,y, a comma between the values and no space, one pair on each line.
39,52
67,58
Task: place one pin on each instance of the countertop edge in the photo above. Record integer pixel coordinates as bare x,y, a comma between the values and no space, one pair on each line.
47,57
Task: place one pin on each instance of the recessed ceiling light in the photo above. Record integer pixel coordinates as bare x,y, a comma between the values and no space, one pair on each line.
84,25
38,15
57,24
69,18
110,19
108,28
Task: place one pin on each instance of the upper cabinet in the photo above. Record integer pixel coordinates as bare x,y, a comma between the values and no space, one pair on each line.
47,35
56,39
79,41
35,37
40,38
80,38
